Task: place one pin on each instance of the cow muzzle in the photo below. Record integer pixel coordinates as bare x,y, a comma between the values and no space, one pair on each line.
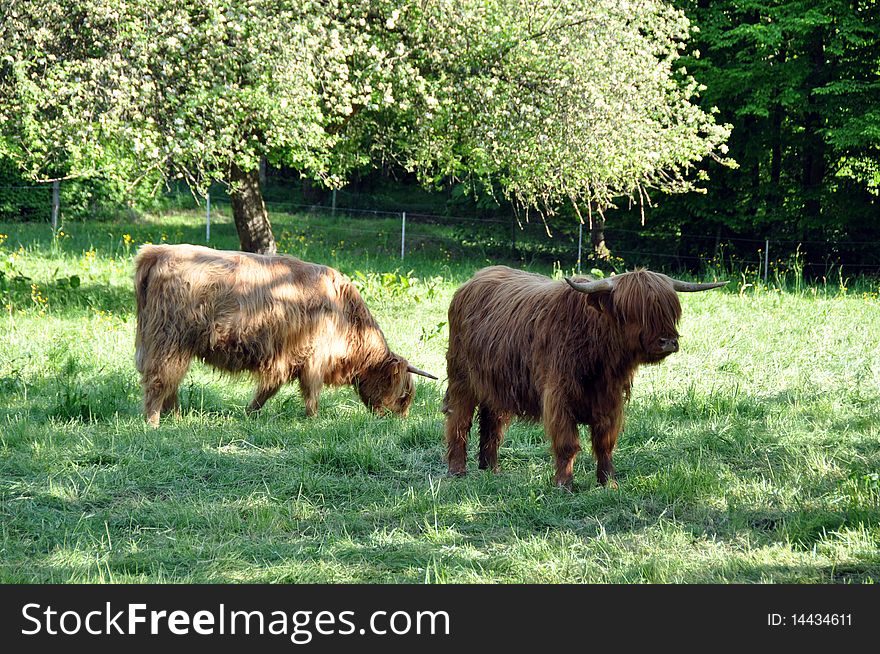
668,345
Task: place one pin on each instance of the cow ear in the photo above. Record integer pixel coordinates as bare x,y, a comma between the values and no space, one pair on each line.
600,301
398,367
403,368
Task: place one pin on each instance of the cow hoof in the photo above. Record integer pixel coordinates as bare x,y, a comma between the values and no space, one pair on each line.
609,483
565,485
456,473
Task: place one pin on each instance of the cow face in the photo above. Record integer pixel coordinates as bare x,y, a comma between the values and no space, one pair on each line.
387,387
646,308
650,325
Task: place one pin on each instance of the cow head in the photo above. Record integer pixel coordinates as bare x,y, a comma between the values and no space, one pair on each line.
645,306
389,386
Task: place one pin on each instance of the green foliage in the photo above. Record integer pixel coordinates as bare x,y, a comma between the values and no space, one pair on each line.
551,102
566,102
800,83
391,286
19,200
95,197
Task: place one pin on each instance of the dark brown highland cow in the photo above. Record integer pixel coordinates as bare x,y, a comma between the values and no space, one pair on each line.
524,345
274,316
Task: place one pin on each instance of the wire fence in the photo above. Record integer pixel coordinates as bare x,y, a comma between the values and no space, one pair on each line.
509,237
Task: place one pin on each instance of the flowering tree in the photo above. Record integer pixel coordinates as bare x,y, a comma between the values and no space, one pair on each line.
554,101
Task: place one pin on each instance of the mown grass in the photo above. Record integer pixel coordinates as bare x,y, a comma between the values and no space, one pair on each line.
750,456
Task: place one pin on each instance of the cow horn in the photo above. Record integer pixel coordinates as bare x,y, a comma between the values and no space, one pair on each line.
411,368
597,286
690,287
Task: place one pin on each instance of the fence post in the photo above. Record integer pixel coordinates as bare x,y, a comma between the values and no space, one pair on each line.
580,242
207,216
333,204
56,203
402,234
766,258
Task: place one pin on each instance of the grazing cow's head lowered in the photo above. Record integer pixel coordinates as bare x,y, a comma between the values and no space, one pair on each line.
389,386
524,345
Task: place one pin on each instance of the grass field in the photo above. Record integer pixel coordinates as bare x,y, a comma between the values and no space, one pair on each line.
753,455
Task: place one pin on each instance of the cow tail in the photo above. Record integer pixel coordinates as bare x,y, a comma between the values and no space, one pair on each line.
144,263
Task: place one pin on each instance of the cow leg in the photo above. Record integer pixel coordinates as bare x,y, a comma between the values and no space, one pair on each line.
605,432
459,418
310,385
492,426
561,427
160,380
266,389
171,404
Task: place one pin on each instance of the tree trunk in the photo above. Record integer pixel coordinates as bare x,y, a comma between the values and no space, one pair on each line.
597,238
717,241
312,193
263,177
751,126
775,158
777,113
513,253
813,171
249,211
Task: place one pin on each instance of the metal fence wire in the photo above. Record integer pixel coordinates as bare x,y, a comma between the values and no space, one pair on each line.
508,237
515,238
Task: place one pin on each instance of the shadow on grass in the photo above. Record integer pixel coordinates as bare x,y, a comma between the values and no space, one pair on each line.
97,297
79,393
62,298
216,496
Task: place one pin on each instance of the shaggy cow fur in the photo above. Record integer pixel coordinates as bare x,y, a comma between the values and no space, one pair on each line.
274,316
524,345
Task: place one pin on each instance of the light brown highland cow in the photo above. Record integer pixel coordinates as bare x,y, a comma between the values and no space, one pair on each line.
274,316
564,352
